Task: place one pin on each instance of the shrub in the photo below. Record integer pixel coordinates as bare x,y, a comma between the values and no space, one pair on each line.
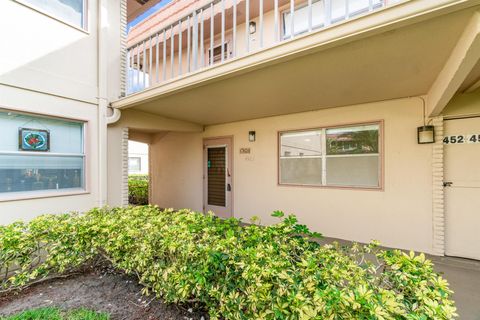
235,271
138,189
138,177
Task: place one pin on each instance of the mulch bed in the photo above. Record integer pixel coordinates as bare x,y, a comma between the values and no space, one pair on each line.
99,289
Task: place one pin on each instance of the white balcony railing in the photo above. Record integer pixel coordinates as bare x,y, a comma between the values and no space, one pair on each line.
225,29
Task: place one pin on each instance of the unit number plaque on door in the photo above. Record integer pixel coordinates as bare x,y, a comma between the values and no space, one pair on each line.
462,138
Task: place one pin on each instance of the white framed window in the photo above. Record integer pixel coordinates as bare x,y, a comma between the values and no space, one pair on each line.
72,12
346,156
134,164
39,154
323,15
300,18
217,53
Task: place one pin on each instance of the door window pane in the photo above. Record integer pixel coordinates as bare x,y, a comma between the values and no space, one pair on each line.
216,163
70,11
60,167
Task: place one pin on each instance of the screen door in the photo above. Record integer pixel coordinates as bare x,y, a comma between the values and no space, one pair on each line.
218,177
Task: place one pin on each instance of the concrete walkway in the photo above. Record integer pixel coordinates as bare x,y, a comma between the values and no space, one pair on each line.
463,275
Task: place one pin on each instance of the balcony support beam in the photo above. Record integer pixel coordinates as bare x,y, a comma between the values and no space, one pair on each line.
460,63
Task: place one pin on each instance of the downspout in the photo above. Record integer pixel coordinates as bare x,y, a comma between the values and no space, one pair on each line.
115,116
102,102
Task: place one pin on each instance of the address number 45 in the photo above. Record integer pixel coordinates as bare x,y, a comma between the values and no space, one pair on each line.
457,139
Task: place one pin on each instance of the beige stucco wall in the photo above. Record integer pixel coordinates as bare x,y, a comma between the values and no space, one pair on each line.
50,68
33,102
399,216
143,127
47,55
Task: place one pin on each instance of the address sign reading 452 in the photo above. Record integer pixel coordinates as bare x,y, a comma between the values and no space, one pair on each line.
462,138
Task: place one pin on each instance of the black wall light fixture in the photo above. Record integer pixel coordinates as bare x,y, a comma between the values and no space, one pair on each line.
252,26
252,136
425,133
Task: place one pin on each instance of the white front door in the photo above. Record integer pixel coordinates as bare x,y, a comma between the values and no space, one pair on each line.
217,176
462,187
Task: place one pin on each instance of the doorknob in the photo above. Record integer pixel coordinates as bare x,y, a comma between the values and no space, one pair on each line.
229,187
447,183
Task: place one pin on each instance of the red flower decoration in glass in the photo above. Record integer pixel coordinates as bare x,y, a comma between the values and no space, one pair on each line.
34,140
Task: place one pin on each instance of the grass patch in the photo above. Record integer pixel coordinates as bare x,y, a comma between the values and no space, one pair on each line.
50,313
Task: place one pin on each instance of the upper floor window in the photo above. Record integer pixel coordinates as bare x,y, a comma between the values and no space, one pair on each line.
340,156
217,53
323,14
40,154
73,12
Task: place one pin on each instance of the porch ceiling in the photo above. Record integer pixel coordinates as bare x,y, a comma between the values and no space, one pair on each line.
398,63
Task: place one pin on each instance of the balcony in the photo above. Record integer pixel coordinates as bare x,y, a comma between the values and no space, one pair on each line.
222,30
379,52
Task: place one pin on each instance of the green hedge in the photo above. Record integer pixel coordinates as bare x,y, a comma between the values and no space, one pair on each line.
138,189
138,177
235,271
